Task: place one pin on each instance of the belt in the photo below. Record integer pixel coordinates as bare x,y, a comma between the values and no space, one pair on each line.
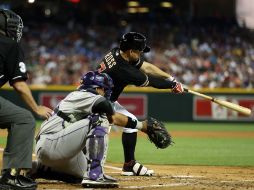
63,115
60,114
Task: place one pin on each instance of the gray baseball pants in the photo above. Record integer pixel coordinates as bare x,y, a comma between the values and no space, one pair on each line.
20,124
62,151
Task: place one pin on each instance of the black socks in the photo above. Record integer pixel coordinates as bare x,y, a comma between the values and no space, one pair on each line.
129,141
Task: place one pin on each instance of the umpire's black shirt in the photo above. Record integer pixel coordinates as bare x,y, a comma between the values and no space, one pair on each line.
12,66
122,72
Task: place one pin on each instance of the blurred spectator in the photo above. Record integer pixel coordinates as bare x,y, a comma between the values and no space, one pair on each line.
199,56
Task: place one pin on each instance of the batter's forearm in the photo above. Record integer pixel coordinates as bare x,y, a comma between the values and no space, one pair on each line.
149,68
160,83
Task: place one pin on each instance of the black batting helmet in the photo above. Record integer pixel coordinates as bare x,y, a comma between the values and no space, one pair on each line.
11,24
134,40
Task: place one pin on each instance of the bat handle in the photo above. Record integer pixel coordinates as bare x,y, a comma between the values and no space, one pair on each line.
185,89
199,94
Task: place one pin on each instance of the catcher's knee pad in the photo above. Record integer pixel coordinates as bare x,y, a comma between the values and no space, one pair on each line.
96,149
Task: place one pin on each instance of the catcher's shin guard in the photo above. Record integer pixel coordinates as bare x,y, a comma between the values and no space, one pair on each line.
97,143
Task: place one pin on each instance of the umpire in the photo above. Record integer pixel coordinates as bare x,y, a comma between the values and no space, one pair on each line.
20,123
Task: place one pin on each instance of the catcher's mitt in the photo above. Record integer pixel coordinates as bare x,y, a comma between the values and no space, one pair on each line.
157,133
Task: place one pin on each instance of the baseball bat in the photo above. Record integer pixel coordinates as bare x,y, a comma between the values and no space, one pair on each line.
229,105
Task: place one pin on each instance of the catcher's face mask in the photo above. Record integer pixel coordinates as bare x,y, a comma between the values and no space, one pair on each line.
12,24
92,80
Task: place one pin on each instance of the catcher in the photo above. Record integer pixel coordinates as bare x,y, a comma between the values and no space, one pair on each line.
74,140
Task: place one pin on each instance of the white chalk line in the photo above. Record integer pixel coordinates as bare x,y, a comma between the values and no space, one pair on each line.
183,176
245,180
175,176
113,167
149,186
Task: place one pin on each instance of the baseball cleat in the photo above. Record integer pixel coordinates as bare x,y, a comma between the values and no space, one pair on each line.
134,168
16,182
103,182
41,171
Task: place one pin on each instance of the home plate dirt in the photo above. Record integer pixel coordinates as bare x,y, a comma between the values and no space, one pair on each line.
175,177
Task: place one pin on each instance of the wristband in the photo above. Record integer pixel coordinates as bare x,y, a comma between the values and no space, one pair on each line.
134,124
171,79
139,125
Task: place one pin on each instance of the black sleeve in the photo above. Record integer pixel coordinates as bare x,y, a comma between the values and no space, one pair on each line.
16,67
135,76
103,106
160,83
139,62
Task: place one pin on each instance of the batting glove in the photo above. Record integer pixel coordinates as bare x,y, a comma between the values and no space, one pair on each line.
178,88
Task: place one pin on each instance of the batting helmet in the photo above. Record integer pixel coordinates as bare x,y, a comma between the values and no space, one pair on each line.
11,24
92,80
134,40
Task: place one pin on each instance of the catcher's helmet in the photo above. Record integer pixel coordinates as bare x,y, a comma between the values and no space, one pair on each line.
11,24
134,40
92,80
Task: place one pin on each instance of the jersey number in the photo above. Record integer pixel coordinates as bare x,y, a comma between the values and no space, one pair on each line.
22,67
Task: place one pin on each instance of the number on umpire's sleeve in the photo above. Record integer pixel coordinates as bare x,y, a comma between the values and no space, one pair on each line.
22,67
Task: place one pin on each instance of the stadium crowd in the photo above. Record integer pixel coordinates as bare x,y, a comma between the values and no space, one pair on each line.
197,55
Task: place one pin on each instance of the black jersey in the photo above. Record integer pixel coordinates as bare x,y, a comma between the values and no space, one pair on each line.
122,72
12,66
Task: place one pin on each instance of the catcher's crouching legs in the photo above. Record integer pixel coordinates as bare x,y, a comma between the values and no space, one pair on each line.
96,150
131,167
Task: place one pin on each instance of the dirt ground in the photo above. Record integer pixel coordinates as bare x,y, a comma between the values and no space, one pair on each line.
177,177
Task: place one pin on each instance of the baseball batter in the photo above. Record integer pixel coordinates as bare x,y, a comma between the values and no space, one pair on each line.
74,139
126,66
